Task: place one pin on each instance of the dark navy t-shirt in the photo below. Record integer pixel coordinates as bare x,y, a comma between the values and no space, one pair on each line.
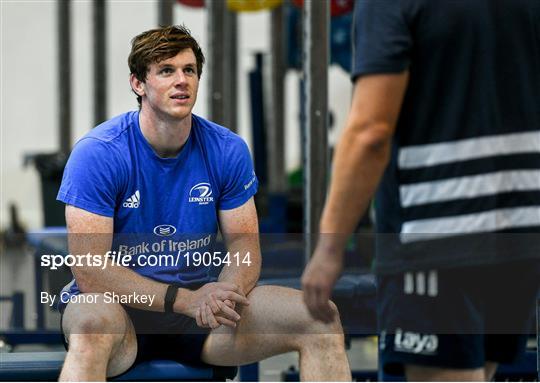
466,152
172,202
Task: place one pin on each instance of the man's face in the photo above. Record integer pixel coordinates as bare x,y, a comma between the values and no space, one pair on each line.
171,86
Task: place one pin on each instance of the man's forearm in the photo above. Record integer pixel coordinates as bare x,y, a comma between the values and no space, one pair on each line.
360,160
243,271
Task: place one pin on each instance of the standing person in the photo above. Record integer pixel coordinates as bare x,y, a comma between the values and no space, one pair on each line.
157,183
445,121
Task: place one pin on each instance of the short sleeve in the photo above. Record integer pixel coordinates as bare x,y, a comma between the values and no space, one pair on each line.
239,182
381,38
91,176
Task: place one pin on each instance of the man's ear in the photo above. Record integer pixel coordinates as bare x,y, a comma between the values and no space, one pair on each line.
136,84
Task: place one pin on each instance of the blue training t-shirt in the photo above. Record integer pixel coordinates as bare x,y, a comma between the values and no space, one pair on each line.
113,171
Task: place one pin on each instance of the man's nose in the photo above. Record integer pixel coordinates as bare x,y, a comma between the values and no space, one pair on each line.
180,78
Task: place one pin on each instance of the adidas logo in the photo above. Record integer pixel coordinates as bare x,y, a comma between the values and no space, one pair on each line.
134,201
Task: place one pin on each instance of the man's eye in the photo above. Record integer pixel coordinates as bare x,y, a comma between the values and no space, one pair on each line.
166,70
189,70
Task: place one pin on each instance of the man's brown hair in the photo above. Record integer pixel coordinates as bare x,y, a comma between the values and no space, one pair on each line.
160,44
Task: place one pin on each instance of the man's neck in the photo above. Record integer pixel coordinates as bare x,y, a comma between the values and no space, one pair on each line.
166,137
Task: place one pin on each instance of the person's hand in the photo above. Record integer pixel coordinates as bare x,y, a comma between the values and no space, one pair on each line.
212,316
216,314
213,304
318,280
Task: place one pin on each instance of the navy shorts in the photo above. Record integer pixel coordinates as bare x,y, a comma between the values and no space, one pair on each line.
456,318
168,336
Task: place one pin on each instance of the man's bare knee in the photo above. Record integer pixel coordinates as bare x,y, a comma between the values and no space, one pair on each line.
95,333
335,311
96,318
101,334
97,323
94,328
323,336
490,368
333,327
91,343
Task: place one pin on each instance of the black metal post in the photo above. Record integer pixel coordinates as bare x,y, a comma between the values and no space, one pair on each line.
165,12
64,74
100,61
315,67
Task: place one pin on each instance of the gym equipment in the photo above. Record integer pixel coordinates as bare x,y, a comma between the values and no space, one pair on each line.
252,6
222,55
50,167
49,240
257,119
340,38
16,321
314,125
16,334
54,241
46,366
337,7
192,3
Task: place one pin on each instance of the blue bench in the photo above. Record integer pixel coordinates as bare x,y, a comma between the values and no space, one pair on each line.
46,366
355,296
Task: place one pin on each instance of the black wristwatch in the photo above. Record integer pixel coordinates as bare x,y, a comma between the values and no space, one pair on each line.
170,297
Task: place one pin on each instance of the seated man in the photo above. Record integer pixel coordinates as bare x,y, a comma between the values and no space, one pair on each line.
153,176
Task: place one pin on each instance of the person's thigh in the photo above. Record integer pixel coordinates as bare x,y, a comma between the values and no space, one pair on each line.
272,324
97,324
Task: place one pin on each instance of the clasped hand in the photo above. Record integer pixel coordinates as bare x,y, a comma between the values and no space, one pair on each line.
214,305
